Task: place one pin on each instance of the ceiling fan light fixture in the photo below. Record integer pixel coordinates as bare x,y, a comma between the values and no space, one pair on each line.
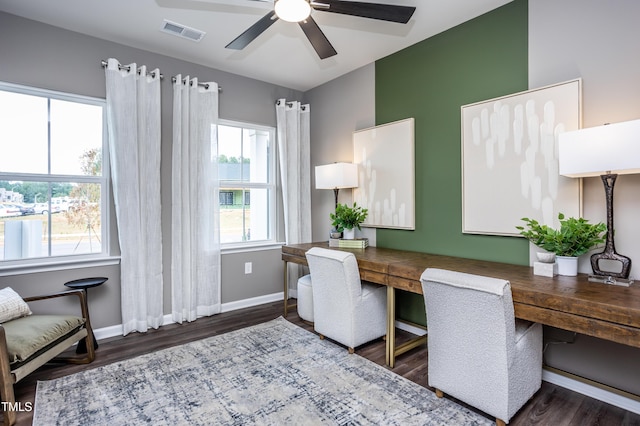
293,10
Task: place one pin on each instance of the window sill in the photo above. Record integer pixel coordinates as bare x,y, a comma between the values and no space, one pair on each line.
58,265
244,247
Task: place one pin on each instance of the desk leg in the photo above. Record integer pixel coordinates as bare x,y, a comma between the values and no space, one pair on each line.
391,327
286,288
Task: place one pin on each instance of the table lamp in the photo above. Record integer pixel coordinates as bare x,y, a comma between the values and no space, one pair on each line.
604,151
337,176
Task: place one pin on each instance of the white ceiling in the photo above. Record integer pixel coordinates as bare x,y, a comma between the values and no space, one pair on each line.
281,55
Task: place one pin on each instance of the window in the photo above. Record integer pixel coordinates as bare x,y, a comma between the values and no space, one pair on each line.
246,169
53,175
226,198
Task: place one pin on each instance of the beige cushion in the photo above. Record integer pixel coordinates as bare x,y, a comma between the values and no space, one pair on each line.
12,306
27,335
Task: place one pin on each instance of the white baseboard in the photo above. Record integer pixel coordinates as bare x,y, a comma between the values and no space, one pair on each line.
254,301
116,330
595,392
106,332
411,328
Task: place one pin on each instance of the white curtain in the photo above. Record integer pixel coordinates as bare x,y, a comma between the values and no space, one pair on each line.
195,250
133,120
293,126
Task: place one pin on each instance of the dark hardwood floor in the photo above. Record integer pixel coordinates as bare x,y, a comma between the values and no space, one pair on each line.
552,405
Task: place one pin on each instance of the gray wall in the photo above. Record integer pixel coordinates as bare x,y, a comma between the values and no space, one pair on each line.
597,41
338,108
35,54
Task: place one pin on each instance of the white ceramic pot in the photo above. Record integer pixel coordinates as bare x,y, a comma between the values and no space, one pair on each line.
567,265
335,234
349,234
545,257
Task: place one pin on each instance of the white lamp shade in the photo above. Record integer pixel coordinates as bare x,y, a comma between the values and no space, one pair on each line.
337,175
612,148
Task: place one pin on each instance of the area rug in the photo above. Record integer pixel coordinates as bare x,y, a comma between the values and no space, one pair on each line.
274,373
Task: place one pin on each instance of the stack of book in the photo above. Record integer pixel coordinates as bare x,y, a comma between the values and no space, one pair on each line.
355,243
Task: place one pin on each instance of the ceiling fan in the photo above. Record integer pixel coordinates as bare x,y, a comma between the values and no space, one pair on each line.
300,11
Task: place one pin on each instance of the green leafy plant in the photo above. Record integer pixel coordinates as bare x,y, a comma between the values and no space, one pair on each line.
574,238
346,217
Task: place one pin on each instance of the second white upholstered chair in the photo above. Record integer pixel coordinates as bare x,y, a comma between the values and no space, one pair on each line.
478,352
345,309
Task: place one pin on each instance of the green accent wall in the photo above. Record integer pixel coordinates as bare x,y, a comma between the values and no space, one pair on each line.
478,60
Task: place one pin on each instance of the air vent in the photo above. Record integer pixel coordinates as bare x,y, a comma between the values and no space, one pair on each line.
182,31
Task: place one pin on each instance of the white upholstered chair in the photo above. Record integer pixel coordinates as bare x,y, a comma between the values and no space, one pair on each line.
478,352
345,309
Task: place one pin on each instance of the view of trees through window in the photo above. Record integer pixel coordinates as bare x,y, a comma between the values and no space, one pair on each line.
52,183
72,210
247,190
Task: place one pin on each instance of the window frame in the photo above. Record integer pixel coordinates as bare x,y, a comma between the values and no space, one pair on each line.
271,187
71,261
227,194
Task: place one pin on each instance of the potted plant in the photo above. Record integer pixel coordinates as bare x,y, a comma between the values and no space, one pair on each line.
346,219
575,237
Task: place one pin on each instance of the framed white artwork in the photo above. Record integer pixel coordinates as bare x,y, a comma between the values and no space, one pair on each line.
510,159
386,174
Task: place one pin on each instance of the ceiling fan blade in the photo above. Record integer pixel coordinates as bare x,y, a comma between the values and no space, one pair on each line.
318,40
383,12
253,31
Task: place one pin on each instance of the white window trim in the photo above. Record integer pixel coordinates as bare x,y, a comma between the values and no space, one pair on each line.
240,246
57,263
231,248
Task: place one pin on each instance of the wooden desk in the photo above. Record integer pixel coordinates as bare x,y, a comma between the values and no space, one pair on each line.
571,303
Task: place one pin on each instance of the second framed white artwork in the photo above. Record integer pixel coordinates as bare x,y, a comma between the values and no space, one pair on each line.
510,159
386,174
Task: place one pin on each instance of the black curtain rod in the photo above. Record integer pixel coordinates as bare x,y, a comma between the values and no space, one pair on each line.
152,74
205,85
290,104
128,68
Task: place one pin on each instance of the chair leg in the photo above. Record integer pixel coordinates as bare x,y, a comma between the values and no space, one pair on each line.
83,358
351,351
439,393
8,400
321,336
9,418
500,422
6,386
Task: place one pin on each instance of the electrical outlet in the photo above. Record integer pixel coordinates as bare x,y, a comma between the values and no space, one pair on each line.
247,267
